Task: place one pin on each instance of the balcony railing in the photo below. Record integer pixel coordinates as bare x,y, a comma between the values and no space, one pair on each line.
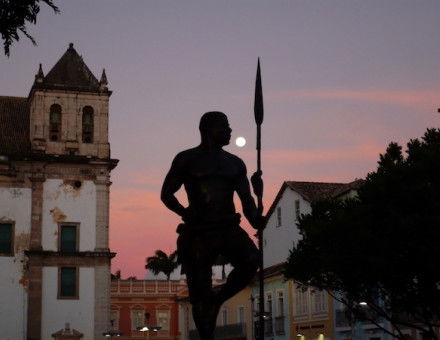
268,327
144,286
279,325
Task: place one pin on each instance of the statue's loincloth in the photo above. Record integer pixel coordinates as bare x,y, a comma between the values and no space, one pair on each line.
199,245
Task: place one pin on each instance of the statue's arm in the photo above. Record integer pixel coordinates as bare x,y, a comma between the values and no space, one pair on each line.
172,183
248,203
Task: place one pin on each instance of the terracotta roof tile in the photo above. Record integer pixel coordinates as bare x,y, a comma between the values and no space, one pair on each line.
14,125
312,191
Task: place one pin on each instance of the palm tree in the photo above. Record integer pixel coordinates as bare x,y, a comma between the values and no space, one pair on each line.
162,262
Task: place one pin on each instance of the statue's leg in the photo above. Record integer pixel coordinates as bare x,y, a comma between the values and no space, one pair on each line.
243,255
199,281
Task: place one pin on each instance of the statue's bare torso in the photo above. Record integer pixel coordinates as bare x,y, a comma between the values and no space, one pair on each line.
210,179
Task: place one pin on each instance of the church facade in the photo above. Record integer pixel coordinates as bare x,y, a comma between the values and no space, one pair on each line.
55,170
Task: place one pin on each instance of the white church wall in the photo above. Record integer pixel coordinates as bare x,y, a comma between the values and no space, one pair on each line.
15,207
79,313
65,203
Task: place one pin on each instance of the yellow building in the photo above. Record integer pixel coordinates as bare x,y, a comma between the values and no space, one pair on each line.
312,314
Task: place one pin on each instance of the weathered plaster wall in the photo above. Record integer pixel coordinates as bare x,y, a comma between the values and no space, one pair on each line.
79,313
279,240
15,206
72,105
63,202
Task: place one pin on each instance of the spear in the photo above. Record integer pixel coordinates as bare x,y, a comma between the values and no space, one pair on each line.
259,115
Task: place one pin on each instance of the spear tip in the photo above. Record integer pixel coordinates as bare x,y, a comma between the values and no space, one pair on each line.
258,103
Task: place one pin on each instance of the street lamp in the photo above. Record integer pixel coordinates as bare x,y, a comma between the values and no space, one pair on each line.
148,329
111,334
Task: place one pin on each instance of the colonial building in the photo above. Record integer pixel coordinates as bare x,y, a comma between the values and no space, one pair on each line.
153,304
309,314
54,205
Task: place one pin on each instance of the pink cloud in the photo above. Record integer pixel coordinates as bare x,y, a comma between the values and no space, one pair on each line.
410,98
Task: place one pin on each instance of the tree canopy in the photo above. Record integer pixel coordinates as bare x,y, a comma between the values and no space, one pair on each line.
15,15
382,246
162,262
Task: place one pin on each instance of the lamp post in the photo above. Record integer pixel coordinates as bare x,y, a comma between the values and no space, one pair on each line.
256,315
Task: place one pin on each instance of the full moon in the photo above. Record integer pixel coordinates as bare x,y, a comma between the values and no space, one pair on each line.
240,142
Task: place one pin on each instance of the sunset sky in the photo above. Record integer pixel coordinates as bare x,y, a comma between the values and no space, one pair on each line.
341,79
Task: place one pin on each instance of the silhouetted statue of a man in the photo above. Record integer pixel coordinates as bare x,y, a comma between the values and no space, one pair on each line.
211,227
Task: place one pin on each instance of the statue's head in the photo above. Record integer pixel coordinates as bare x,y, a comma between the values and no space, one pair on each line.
214,128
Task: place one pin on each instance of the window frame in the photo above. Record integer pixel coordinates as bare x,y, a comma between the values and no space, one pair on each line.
280,306
58,132
77,229
241,315
90,134
72,297
168,319
134,309
12,243
114,323
268,308
319,302
224,316
301,305
279,220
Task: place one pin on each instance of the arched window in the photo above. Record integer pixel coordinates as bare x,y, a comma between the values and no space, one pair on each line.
87,124
55,123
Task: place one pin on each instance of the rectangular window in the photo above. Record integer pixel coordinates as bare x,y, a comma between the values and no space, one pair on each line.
114,320
224,317
279,217
280,304
269,303
240,315
297,210
6,239
319,301
137,319
68,238
68,283
301,304
163,320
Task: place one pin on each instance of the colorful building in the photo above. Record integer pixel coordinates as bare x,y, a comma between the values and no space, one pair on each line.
309,314
152,303
276,304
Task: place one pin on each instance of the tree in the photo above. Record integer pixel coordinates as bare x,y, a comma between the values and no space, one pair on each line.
15,15
116,275
381,248
162,262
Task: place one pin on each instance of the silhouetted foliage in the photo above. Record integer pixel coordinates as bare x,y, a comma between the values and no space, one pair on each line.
15,15
116,275
162,262
381,247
